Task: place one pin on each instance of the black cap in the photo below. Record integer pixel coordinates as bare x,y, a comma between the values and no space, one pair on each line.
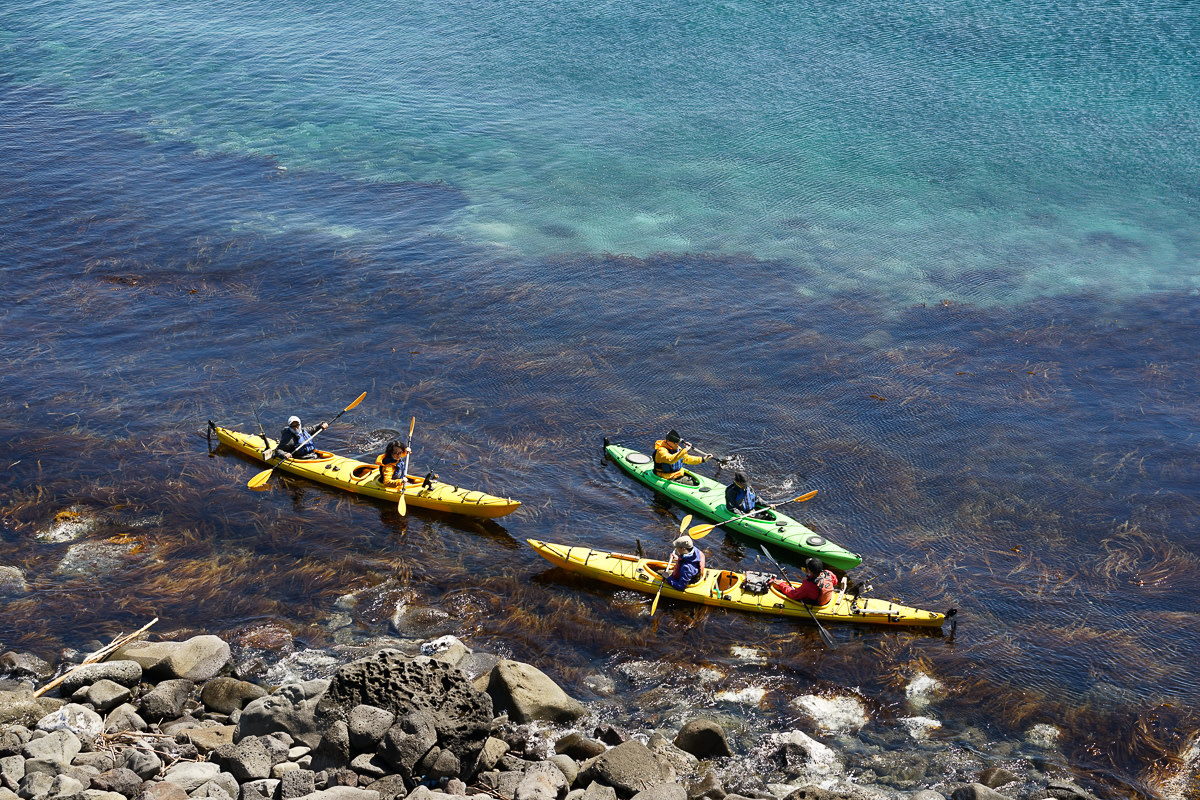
673,437
739,478
814,565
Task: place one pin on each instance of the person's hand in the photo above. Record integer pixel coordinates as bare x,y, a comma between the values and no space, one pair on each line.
324,425
703,459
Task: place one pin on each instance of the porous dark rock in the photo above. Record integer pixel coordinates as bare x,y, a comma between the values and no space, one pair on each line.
12,739
289,709
248,760
167,699
461,715
226,695
368,725
333,751
703,738
297,783
389,787
122,781
125,673
628,768
610,735
528,694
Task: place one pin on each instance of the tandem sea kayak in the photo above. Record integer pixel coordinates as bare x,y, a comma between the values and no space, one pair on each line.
728,589
708,500
363,478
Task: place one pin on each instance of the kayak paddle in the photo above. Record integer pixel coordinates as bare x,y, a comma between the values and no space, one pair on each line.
825,637
700,531
401,506
683,523
259,481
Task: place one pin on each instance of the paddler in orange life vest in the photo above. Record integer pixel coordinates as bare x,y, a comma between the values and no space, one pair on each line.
688,564
818,586
390,461
670,456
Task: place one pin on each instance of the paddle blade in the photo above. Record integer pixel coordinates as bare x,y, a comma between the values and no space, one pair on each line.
654,605
683,523
825,637
807,496
700,531
357,400
259,482
411,426
402,506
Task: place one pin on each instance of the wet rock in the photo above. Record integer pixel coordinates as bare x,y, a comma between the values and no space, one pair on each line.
579,747
610,735
126,673
289,709
703,738
143,763
389,787
333,751
628,768
541,781
528,694
995,777
12,582
976,791
190,775
812,792
105,694
299,783
209,739
707,788
679,761
368,725
25,665
167,699
122,781
226,695
162,790
1066,790
663,791
20,707
799,756
59,746
124,718
197,659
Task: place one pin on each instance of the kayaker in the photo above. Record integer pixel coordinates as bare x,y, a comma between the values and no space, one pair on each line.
296,440
670,454
389,461
688,566
817,588
739,497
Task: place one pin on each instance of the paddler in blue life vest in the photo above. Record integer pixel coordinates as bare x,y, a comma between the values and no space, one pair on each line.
739,497
296,440
688,564
670,455
389,461
817,588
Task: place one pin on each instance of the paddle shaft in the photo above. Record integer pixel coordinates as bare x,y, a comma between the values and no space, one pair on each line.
825,637
704,530
401,505
262,477
683,523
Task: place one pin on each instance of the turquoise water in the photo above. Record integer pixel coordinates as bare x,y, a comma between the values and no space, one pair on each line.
987,152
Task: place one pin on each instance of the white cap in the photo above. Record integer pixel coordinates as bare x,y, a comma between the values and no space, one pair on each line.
293,420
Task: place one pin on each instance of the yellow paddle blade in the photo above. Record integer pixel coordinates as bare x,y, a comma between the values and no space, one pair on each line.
259,481
411,425
402,506
654,605
808,496
683,523
357,400
700,531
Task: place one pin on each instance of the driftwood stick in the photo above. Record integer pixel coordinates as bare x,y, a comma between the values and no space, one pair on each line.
99,655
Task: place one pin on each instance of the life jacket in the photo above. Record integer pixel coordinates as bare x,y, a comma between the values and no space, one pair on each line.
303,441
387,470
826,582
739,500
699,563
668,469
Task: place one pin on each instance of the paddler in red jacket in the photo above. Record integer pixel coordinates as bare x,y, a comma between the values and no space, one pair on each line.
817,588
670,456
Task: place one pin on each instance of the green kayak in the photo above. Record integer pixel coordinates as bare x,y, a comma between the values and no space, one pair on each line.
708,499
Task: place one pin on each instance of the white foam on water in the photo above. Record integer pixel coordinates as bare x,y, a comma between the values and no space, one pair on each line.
1043,735
749,655
922,690
751,695
833,714
919,727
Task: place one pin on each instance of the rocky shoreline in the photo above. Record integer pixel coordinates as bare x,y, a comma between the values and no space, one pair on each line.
169,720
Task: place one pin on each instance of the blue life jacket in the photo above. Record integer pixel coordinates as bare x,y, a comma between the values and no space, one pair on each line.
672,467
687,570
739,500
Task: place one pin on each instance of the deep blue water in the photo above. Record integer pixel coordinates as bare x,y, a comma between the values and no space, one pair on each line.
532,226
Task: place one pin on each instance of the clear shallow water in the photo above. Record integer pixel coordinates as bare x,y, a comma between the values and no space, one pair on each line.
212,210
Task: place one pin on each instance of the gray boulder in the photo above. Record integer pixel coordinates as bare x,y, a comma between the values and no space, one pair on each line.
333,752
298,783
60,746
703,738
389,787
628,768
212,791
167,699
190,775
226,695
79,720
493,750
208,739
248,760
578,746
542,781
65,785
20,707
124,718
663,791
368,725
12,739
198,659
1066,790
598,791
343,793
289,709
12,768
927,794
105,695
566,765
262,789
143,763
409,742
25,665
34,784
995,777
126,673
976,791
528,694
461,715
123,781
708,788
162,790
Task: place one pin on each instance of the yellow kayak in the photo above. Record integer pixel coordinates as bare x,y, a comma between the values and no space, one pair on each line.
363,478
727,589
